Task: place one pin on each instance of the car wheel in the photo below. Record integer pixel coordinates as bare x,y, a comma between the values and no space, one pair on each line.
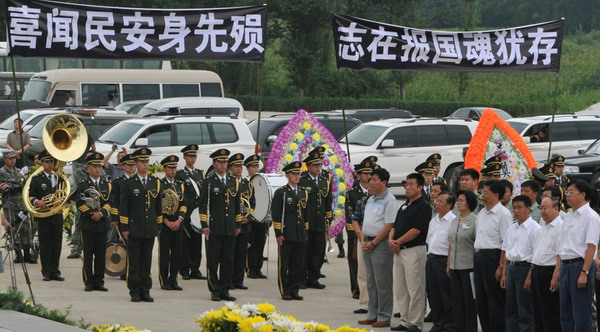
595,182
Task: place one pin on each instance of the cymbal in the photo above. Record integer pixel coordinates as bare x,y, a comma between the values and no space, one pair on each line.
116,259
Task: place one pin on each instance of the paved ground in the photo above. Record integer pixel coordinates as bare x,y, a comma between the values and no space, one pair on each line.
176,311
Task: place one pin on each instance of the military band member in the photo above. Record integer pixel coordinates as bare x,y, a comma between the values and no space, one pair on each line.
129,171
93,203
488,167
191,239
426,169
171,232
221,221
319,215
49,228
436,158
248,203
558,163
290,208
140,213
258,230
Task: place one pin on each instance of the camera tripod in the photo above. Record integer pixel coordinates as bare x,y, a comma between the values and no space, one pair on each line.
9,245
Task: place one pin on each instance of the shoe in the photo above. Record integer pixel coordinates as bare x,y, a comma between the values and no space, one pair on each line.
315,285
176,287
261,275
45,278
397,315
341,254
302,285
380,324
197,276
185,275
227,297
17,260
101,288
58,278
253,275
265,258
322,276
31,260
135,298
89,288
360,311
146,298
428,318
356,296
399,328
366,322
215,297
296,296
413,329
240,286
166,287
286,297
231,287
74,255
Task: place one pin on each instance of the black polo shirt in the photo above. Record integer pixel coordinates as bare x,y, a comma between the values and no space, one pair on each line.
416,215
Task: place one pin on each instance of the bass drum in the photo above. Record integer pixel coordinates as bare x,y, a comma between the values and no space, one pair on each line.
264,189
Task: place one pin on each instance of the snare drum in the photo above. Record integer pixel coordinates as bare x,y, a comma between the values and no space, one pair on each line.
264,189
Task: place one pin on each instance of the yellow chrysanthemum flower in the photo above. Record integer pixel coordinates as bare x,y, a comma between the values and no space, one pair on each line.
322,328
266,308
339,172
333,159
342,186
294,146
306,126
299,136
245,325
342,199
326,147
288,157
316,137
338,212
266,328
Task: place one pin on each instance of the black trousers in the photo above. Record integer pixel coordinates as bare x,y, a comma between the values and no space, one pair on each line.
219,257
256,239
169,256
239,258
315,253
191,250
289,267
50,236
94,257
546,304
463,302
438,294
352,261
491,298
139,262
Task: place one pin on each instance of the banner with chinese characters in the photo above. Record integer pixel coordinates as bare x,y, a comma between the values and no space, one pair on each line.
57,29
365,44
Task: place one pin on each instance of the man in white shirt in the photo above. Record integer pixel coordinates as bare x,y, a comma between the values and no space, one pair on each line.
580,233
545,268
518,249
438,282
492,223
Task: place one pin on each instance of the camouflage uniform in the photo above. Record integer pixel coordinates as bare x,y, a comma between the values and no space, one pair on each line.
13,209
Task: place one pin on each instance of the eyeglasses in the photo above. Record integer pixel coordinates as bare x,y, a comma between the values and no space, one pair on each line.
437,201
569,192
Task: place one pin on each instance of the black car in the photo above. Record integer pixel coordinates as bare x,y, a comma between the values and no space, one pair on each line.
585,166
474,113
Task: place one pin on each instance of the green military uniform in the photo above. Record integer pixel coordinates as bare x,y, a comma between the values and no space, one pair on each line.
562,181
436,158
257,237
169,240
191,255
93,195
425,167
49,228
219,206
319,217
289,211
140,213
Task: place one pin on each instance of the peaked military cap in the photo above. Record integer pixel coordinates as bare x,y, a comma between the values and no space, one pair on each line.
315,156
372,159
425,167
548,171
45,156
538,175
493,169
220,155
141,154
8,154
127,159
190,150
169,161
493,160
94,158
558,160
253,160
366,166
436,158
236,159
293,167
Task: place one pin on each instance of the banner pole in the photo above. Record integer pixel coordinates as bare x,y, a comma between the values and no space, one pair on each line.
18,105
343,115
555,106
259,87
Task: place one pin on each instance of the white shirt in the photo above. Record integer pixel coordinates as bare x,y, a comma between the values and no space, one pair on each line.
52,178
142,179
520,239
545,246
580,228
378,212
491,227
437,234
95,181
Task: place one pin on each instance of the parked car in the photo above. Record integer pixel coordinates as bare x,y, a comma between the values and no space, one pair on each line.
367,115
570,133
29,117
193,106
474,113
402,144
586,165
271,126
168,135
134,106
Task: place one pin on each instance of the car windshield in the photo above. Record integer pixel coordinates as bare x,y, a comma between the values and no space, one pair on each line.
120,133
9,123
37,130
594,148
146,111
37,90
517,126
365,134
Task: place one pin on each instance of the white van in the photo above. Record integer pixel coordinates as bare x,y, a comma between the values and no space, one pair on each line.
194,106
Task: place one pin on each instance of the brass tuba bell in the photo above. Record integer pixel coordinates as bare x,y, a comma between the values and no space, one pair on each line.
66,139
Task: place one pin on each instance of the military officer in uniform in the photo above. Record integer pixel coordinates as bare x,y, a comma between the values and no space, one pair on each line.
289,211
49,228
219,206
140,213
492,172
93,203
258,230
488,166
115,196
171,231
426,169
319,214
436,158
248,203
191,239
558,163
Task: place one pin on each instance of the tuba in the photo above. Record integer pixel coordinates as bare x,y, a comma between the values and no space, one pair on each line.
66,139
245,206
169,201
